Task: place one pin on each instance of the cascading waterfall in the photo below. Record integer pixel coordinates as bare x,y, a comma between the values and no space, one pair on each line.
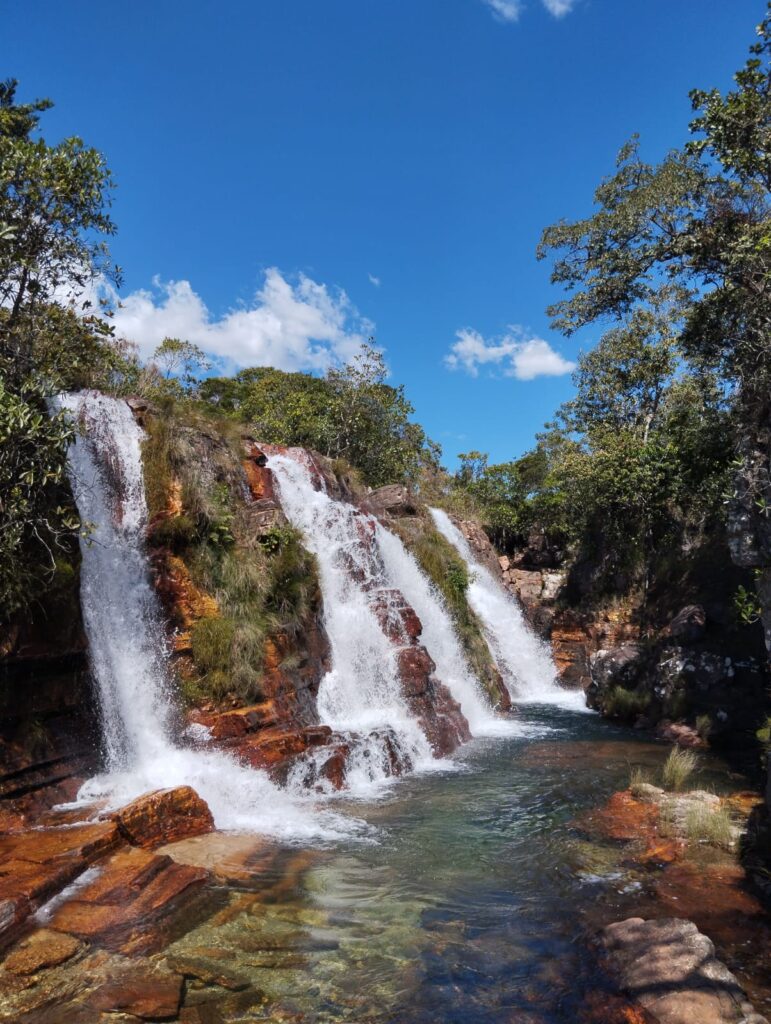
361,695
127,648
440,638
523,660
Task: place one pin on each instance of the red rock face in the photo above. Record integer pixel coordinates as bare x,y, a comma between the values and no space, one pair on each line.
164,817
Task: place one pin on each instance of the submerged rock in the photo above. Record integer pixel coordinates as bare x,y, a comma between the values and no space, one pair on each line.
670,969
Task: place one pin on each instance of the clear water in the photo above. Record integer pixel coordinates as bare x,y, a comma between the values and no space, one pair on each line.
473,904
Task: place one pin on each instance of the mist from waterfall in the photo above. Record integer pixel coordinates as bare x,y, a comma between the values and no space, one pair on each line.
523,659
127,647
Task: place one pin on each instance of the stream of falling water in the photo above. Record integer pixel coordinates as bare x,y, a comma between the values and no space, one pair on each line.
127,648
523,659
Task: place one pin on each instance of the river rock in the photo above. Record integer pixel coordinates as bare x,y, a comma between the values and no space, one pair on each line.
134,904
670,969
43,949
164,816
149,995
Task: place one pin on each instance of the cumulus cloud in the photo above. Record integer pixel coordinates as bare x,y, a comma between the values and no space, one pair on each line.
505,10
510,10
519,356
300,325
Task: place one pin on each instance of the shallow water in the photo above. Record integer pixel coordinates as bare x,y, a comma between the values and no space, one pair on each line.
472,902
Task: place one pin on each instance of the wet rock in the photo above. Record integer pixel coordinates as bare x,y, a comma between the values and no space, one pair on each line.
622,818
13,913
134,904
149,995
681,734
398,619
670,969
37,864
40,951
208,971
163,816
689,624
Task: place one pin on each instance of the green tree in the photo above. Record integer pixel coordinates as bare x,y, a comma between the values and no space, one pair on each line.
54,202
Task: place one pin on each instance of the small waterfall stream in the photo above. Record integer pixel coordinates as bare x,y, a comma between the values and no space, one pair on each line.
127,649
523,660
362,693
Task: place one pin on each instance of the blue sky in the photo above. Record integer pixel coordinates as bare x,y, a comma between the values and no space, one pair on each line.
295,175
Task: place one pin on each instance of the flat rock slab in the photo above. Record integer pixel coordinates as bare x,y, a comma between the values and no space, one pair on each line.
134,904
37,864
670,970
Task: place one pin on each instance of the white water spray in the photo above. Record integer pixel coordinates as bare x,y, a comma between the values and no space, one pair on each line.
524,661
361,695
127,649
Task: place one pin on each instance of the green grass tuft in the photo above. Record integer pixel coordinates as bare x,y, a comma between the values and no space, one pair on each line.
678,768
625,704
704,824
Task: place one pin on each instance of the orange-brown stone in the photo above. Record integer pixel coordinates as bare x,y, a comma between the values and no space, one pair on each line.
149,995
133,904
622,818
164,816
43,949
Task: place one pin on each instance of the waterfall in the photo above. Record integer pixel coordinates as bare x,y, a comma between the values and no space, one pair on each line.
440,638
127,650
361,694
523,659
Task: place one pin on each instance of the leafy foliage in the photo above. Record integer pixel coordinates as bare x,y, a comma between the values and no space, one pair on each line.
351,414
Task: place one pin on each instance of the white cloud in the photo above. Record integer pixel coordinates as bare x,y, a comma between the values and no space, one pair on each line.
505,10
292,326
559,8
519,356
374,280
510,10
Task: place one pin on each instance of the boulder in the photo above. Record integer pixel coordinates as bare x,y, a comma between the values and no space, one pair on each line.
164,816
670,969
391,500
689,624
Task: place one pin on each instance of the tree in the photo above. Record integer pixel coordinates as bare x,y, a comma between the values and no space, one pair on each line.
54,202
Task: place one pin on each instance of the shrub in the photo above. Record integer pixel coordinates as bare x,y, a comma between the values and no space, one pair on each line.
678,768
626,704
